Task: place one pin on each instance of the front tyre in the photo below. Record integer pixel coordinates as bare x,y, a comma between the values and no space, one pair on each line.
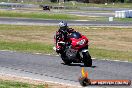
87,59
65,59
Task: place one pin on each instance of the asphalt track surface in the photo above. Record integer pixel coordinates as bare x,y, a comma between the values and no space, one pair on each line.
26,21
51,68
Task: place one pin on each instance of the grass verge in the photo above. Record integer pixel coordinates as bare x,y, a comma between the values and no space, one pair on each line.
36,15
13,84
105,42
26,47
123,19
111,54
45,48
44,15
48,15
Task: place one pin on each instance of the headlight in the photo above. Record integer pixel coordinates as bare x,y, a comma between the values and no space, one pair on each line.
81,42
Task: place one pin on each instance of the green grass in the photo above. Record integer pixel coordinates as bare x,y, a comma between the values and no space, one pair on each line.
110,54
123,19
45,15
36,15
26,47
107,42
43,48
12,84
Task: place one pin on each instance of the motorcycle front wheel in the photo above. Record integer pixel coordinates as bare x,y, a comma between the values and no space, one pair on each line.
87,59
65,59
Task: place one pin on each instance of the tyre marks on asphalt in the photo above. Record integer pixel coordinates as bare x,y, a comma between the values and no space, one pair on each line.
36,73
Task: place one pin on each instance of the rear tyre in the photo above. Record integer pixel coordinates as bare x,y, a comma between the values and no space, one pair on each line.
87,59
65,59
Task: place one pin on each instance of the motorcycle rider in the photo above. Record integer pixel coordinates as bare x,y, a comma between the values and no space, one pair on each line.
63,33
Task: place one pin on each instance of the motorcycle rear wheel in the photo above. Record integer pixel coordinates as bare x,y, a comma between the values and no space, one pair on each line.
87,59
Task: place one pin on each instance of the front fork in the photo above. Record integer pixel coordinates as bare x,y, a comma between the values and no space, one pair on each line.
83,51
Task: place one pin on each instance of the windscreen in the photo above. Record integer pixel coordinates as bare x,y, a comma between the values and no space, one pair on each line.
76,35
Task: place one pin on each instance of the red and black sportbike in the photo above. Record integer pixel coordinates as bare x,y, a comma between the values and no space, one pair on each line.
74,49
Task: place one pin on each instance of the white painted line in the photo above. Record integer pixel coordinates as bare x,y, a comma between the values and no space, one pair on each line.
126,61
38,53
48,54
99,59
7,51
81,20
93,58
58,55
113,60
116,60
107,60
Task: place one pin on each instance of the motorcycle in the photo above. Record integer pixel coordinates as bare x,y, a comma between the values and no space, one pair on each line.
75,49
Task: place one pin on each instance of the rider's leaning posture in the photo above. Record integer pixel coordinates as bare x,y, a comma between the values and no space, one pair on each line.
62,34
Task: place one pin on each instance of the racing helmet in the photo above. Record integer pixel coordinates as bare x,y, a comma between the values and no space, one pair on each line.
63,24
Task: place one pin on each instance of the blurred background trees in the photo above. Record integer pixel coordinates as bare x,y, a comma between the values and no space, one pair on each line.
96,1
85,1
